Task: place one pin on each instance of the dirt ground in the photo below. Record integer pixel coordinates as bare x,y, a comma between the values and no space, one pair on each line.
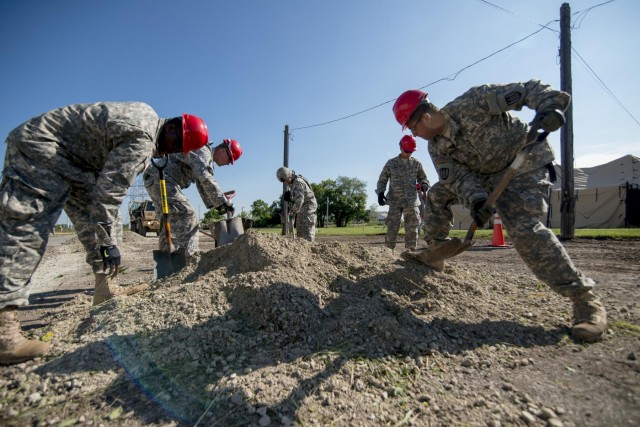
275,331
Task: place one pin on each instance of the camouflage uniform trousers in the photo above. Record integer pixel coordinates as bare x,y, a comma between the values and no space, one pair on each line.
438,216
411,222
522,208
29,209
182,218
306,225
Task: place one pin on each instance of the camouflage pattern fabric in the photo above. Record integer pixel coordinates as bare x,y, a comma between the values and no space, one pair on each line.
438,219
304,207
421,208
82,158
182,170
480,141
411,223
402,198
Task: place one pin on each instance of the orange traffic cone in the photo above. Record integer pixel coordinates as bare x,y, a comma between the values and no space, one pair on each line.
498,236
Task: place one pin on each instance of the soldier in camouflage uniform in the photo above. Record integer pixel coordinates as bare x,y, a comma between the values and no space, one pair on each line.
181,170
304,205
404,173
472,141
81,158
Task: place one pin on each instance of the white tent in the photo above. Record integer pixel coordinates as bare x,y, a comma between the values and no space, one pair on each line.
607,196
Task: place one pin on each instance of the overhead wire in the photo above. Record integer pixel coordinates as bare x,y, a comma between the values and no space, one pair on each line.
581,15
604,86
450,77
579,18
517,15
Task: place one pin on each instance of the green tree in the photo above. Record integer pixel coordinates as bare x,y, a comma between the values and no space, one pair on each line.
347,198
261,213
320,191
211,216
372,213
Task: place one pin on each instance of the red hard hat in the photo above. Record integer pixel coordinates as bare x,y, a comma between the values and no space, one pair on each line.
406,104
235,150
408,144
194,133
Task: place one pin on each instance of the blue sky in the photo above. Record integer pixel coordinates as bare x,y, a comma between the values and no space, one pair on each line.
250,67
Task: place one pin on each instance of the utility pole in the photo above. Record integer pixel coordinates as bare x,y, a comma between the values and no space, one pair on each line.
326,224
567,200
285,163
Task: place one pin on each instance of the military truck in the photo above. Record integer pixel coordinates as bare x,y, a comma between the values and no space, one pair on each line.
142,217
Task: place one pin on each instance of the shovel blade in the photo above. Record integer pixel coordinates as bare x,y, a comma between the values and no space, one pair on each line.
436,257
167,264
227,231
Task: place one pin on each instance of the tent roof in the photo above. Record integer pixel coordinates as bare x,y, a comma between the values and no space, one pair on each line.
616,173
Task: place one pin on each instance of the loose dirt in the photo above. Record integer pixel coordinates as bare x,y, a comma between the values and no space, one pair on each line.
343,332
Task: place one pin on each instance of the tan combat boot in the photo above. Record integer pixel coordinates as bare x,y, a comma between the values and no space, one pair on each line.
589,318
104,290
14,347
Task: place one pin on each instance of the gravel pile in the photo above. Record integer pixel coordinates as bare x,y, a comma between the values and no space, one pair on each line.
276,331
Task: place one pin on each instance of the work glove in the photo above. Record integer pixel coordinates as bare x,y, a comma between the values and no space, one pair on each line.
287,196
226,208
424,186
381,199
480,213
550,119
110,259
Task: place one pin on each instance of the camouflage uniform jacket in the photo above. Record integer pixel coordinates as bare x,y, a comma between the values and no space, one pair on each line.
195,166
482,138
302,196
404,175
112,140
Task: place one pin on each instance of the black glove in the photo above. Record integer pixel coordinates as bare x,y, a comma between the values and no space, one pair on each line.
110,258
550,120
424,187
381,199
480,213
287,196
226,208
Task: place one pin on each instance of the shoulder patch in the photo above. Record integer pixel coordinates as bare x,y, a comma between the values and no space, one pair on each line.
446,172
513,97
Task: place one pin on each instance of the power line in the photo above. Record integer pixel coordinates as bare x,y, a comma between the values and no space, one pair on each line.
582,14
604,86
517,15
450,77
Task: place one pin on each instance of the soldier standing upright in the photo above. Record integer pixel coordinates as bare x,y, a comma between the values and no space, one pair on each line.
304,204
472,141
81,158
404,172
181,170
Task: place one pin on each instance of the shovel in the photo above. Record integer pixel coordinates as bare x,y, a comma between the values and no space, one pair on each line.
456,246
228,230
170,261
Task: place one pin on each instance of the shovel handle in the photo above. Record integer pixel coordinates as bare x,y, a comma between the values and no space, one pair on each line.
532,137
163,197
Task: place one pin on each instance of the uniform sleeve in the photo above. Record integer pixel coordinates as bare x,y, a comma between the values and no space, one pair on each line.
532,94
297,194
202,165
421,176
124,162
385,175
